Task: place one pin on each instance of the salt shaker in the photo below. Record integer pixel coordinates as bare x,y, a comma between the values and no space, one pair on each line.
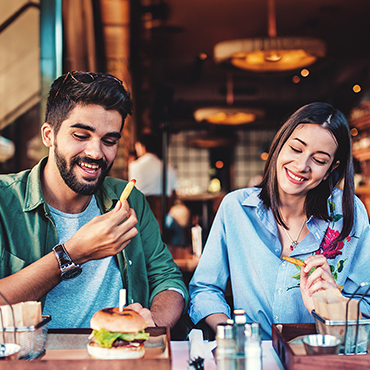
226,348
253,347
240,319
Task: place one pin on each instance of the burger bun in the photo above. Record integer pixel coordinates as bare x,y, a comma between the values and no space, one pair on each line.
112,319
115,353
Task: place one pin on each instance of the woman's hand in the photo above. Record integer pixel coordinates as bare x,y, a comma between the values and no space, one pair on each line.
320,279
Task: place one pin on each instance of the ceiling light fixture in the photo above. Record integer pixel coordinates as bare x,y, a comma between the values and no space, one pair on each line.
228,115
272,53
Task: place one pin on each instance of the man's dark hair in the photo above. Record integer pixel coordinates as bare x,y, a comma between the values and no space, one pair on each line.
152,143
84,88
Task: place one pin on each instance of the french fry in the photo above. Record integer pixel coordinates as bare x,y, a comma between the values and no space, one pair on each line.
127,190
295,261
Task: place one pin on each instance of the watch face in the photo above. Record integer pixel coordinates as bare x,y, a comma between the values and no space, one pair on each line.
71,272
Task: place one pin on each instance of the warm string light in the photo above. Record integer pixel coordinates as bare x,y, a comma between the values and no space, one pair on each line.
356,88
219,164
305,72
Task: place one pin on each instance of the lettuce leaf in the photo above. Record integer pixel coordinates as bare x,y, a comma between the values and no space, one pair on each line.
106,338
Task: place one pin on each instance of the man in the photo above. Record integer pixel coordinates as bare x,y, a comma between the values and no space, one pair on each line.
147,169
63,216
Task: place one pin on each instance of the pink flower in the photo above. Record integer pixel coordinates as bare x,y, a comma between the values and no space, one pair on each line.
327,247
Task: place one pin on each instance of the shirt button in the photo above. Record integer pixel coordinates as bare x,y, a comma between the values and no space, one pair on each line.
280,291
132,301
276,318
277,250
130,262
283,264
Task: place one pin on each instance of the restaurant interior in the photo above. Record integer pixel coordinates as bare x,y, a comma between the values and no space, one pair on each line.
214,78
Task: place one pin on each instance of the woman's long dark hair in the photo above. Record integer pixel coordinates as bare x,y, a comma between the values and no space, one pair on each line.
334,121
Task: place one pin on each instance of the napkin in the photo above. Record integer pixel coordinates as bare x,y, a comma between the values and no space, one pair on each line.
25,314
199,350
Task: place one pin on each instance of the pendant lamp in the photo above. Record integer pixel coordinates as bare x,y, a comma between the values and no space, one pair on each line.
228,115
272,53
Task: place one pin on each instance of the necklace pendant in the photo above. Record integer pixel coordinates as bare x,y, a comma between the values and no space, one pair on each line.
293,245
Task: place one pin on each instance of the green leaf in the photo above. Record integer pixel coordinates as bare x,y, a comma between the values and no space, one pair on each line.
298,267
297,276
332,268
340,264
106,338
337,217
335,276
331,206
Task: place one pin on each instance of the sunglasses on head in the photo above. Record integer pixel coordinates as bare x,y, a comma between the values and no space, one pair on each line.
85,77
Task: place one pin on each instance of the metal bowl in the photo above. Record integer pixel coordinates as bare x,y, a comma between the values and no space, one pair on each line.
9,351
321,344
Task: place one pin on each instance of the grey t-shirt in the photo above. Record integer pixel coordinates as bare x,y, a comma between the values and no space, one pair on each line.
72,303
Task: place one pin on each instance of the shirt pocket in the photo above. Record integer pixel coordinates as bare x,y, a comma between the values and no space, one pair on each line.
10,264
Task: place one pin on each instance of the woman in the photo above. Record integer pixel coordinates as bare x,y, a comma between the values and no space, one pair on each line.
296,211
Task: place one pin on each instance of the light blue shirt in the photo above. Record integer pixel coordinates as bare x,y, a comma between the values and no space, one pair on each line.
244,247
73,302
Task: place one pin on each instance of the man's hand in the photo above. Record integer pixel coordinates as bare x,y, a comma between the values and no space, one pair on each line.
104,235
166,309
320,279
144,312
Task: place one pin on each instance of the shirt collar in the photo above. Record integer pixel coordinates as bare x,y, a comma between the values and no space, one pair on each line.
34,196
315,226
106,197
264,214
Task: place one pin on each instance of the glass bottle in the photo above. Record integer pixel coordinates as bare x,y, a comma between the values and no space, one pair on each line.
226,348
240,319
253,346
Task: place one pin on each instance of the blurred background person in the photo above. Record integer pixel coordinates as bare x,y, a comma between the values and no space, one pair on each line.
147,169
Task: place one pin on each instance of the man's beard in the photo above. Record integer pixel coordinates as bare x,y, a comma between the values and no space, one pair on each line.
82,188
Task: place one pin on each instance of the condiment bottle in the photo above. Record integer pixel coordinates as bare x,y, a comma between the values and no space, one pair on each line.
240,319
226,348
253,347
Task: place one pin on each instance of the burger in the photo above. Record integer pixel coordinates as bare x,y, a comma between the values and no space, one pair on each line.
117,334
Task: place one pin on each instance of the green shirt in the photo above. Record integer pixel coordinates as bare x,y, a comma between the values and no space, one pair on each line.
28,232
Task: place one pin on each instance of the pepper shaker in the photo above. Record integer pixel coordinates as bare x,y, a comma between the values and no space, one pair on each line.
226,348
240,319
253,347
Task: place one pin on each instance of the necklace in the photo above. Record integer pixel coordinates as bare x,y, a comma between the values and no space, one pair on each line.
295,242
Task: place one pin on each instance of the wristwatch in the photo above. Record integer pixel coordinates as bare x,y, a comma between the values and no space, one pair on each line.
68,269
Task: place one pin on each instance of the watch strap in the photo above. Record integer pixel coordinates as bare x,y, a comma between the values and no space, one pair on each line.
68,269
62,255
